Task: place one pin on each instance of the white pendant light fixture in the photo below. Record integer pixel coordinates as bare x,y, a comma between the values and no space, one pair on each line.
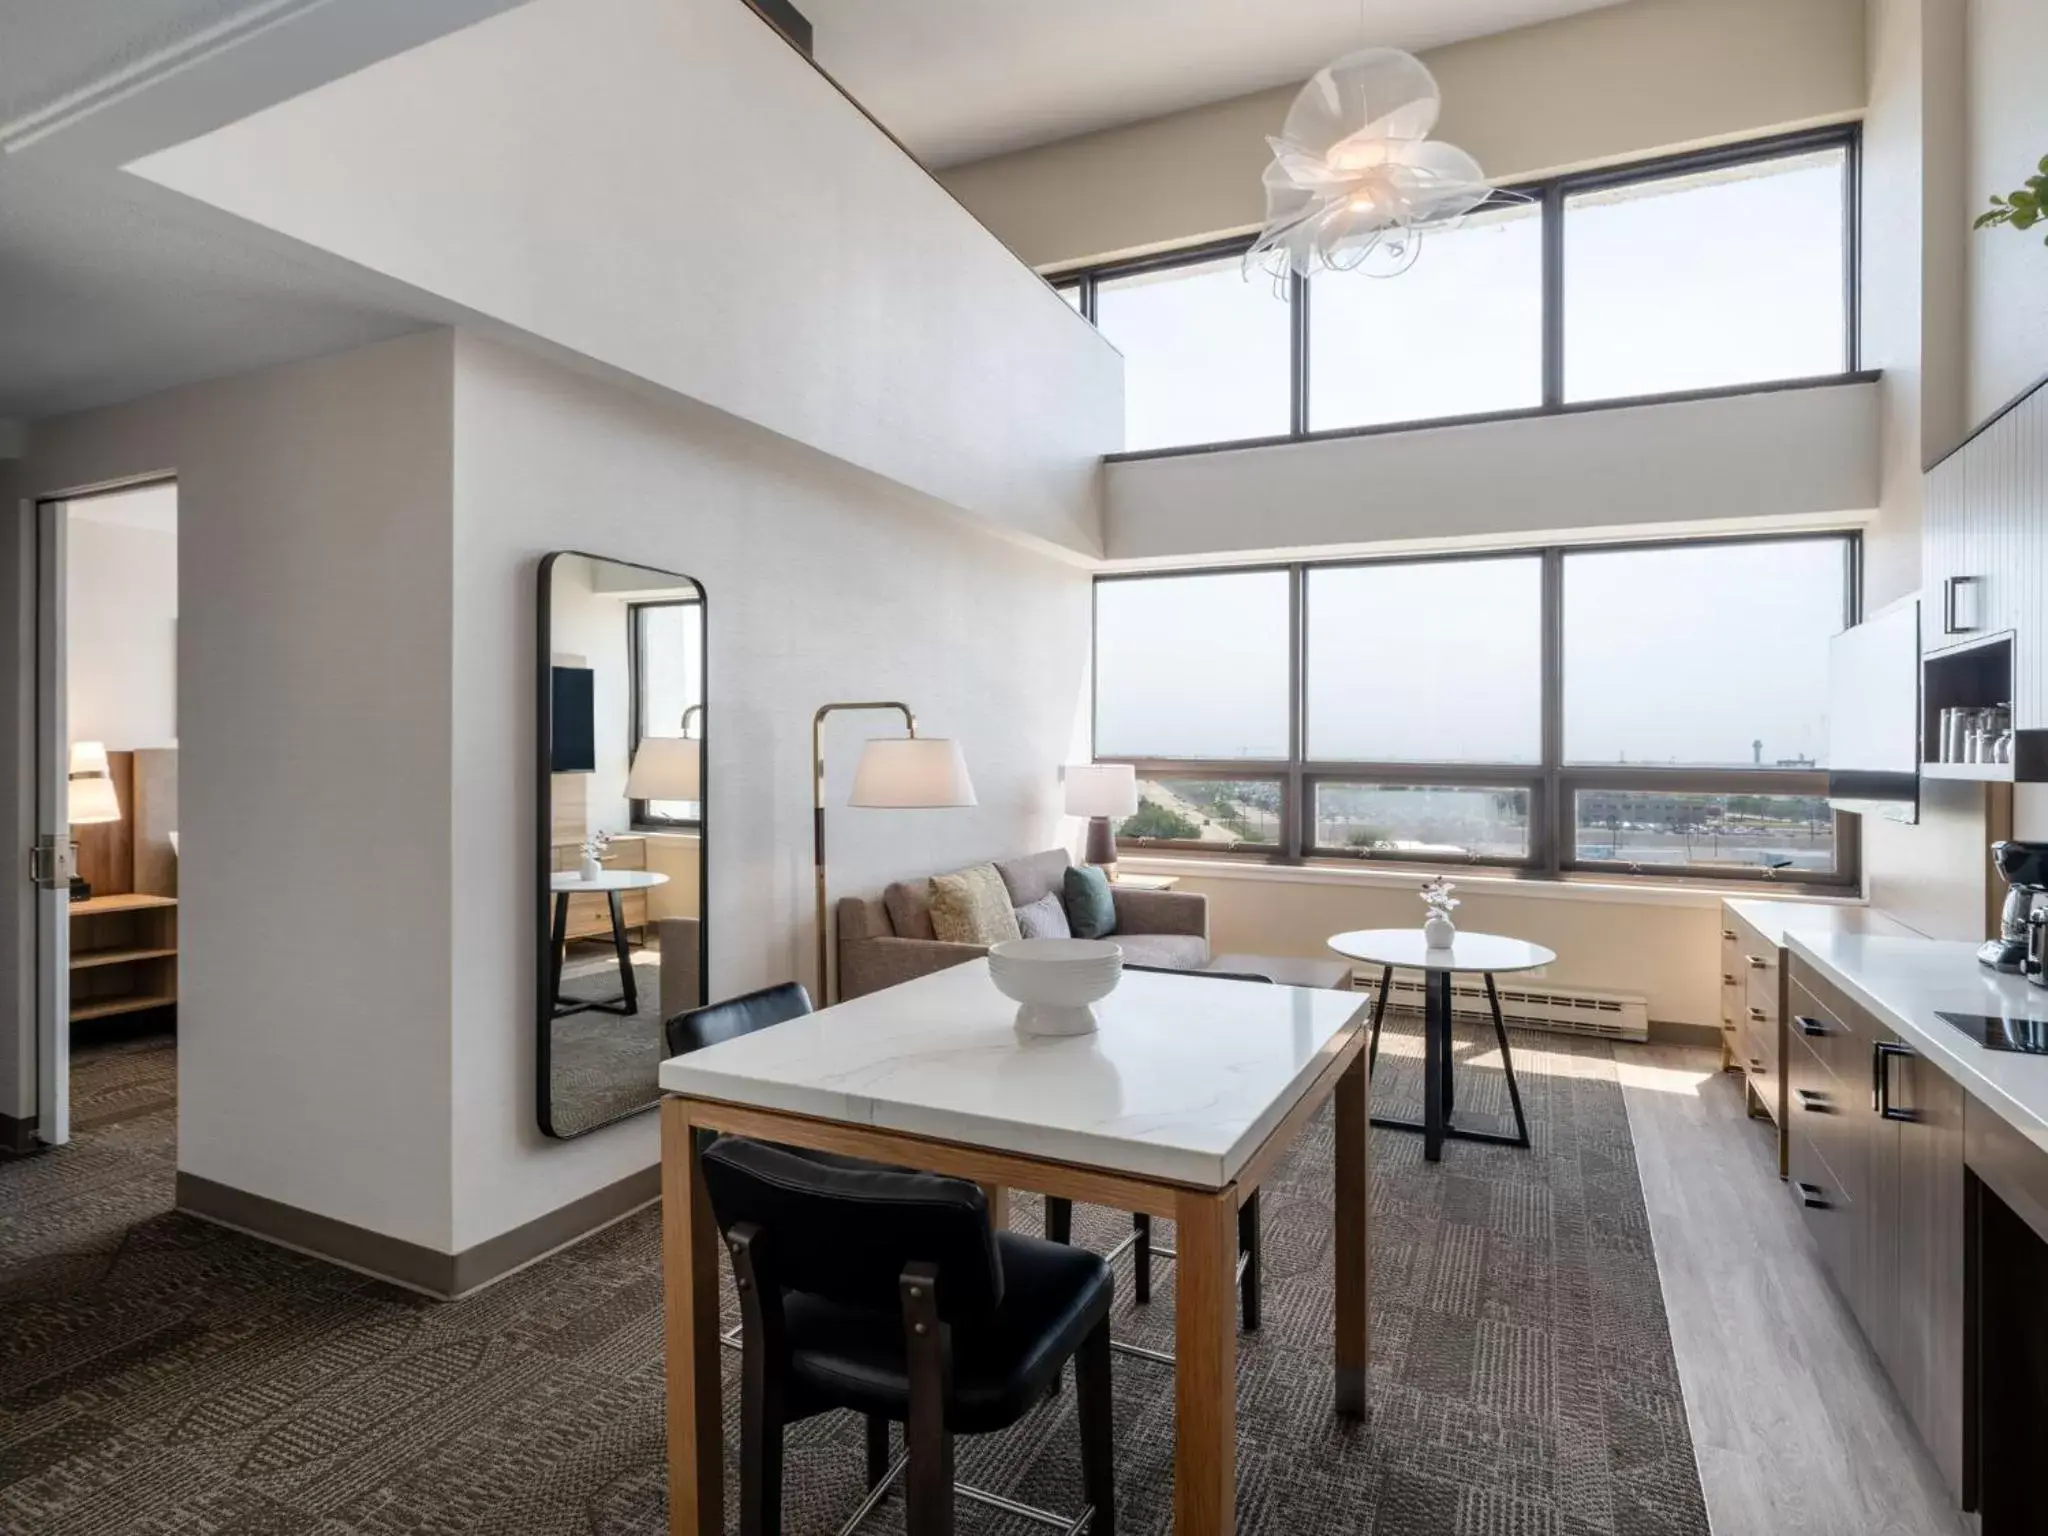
1356,180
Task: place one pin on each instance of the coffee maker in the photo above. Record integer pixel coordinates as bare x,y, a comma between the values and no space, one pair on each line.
2024,868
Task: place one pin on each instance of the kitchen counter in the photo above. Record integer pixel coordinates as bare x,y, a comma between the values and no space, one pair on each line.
1776,920
1906,982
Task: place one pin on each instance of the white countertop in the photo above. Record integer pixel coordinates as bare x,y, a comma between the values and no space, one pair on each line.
1775,919
1907,981
1184,1081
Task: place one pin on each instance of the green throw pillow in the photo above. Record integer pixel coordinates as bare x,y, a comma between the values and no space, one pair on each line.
1091,909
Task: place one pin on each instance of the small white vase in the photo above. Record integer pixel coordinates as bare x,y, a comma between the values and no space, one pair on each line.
590,869
1439,932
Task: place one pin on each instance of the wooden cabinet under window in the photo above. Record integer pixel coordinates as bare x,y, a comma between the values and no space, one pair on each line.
124,955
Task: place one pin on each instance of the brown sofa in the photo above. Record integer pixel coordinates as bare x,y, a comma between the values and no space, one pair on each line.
889,939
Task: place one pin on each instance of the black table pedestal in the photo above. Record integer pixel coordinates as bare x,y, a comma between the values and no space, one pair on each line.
1439,1091
628,1002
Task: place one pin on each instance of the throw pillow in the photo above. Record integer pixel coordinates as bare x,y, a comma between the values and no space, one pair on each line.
1044,918
1091,908
972,906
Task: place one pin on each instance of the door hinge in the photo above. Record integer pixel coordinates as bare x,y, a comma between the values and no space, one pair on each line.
52,863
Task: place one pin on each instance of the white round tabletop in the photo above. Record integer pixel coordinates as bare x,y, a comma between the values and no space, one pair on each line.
568,882
1404,947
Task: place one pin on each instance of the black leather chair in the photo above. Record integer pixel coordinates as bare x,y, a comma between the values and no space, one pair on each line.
1059,1213
892,1294
734,1017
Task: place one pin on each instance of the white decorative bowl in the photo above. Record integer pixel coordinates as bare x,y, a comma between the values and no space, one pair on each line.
1056,981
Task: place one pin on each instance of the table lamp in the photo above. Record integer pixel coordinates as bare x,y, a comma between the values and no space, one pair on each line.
1105,793
896,773
669,767
89,797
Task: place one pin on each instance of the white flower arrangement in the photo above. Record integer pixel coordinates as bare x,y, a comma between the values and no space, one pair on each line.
1436,895
596,846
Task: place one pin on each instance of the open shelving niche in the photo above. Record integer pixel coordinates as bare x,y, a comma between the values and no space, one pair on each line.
1976,675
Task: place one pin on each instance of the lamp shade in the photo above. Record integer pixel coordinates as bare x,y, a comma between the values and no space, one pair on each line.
90,794
911,773
667,768
1102,789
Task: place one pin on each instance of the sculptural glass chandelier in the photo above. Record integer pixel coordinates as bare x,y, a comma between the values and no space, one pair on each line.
1356,180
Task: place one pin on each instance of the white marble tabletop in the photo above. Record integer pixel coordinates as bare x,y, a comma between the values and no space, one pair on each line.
1184,1081
1907,982
568,882
1405,949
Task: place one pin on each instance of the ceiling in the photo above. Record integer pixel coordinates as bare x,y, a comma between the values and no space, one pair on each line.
111,287
957,80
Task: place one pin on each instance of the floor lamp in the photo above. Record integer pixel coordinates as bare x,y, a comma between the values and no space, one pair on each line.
900,773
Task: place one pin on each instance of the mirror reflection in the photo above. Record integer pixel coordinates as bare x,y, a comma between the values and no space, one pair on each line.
622,726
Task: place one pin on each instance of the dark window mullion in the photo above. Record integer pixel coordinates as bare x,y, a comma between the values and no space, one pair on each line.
1298,298
1553,296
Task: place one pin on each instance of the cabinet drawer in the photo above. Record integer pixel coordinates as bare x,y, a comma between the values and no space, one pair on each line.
1841,1049
1826,1208
1832,1114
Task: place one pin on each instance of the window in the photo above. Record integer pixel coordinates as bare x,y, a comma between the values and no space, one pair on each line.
1423,821
1192,667
1641,709
1702,655
1426,662
1207,353
1458,334
667,662
1727,276
1218,813
1719,269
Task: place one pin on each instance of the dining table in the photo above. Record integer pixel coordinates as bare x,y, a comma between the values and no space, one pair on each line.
1191,1090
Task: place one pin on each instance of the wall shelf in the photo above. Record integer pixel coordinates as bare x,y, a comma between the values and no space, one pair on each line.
1976,773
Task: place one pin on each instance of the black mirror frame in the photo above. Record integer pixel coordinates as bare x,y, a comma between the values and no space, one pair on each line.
543,735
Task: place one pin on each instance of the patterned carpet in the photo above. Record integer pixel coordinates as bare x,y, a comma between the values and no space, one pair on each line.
158,1375
602,1065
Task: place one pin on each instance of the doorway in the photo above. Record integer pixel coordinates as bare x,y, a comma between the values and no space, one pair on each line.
105,755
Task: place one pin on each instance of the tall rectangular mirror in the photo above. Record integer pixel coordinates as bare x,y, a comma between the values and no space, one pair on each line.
621,824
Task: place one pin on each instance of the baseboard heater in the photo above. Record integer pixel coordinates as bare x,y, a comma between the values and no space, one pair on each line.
1562,1010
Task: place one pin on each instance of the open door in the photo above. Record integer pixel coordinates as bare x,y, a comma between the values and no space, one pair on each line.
53,863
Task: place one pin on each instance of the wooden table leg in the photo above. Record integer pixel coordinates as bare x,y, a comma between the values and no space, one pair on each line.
998,1204
689,1270
1354,1205
1205,1375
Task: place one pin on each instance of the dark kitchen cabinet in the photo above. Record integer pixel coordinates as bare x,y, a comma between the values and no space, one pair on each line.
1875,1147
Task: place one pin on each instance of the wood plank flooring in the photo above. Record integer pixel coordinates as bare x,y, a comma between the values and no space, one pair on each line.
1796,1429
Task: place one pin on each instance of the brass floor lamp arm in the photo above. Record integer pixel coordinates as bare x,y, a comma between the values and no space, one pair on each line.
818,821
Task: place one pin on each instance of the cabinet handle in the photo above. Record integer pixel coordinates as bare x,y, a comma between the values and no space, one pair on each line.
1756,1065
1811,1026
1811,1196
1727,980
1881,1057
1728,934
1756,1016
1756,962
1951,605
1813,1101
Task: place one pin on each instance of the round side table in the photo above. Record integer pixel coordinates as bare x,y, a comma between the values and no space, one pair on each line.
1484,954
611,883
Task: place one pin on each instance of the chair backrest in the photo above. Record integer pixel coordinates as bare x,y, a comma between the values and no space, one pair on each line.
735,1016
1179,970
847,1231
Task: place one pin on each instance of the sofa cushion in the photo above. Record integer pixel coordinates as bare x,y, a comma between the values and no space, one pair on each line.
909,904
1044,918
1091,909
1034,875
1178,951
972,906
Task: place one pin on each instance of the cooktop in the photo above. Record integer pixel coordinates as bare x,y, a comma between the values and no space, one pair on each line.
2029,1037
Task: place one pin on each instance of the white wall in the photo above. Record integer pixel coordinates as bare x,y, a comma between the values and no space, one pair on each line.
665,187
1611,84
2008,135
819,584
1735,460
315,882
121,619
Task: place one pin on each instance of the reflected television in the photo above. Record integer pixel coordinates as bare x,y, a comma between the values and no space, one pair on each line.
572,740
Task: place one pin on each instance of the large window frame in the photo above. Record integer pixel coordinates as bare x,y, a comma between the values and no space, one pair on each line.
640,814
1551,194
1552,783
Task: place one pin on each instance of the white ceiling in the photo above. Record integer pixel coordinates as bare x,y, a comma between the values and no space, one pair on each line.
957,80
112,288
